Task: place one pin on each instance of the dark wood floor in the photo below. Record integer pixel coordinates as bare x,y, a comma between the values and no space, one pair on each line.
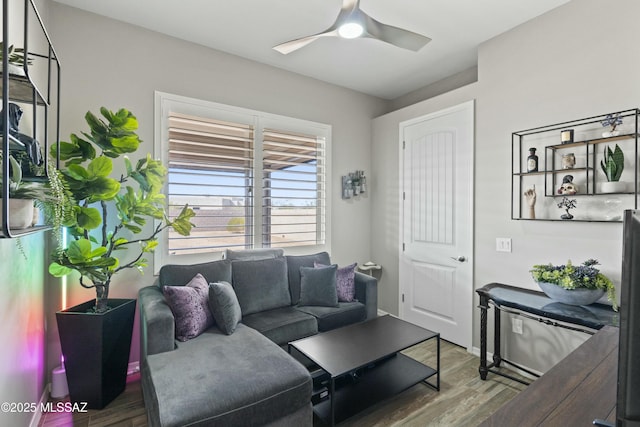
463,400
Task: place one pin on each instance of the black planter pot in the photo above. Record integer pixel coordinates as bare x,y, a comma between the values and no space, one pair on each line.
96,350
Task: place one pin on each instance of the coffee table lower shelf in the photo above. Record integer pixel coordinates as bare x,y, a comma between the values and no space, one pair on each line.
387,378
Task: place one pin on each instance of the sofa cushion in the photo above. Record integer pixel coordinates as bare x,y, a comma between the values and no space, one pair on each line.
318,286
224,380
345,282
282,325
253,254
261,285
190,307
224,306
334,317
214,271
293,265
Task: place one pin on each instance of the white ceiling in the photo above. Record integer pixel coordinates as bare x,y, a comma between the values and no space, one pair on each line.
250,28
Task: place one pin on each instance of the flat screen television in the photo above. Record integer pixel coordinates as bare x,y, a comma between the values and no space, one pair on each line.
628,397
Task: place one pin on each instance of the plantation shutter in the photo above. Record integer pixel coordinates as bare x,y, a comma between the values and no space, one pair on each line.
211,168
294,189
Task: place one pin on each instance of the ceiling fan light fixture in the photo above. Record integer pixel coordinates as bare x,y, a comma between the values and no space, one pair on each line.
350,30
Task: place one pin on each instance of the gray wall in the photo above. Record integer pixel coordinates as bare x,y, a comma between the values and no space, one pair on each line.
570,63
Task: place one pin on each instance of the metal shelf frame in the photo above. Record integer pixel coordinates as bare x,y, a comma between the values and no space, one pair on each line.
23,89
550,171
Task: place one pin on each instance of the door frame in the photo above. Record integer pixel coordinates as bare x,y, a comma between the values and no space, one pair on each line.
469,107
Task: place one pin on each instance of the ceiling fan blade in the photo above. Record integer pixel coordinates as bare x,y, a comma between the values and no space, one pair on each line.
348,8
393,35
293,45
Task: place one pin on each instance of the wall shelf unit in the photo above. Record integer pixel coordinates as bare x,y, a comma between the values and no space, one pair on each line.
575,161
34,87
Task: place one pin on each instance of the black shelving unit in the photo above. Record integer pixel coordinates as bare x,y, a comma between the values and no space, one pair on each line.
38,89
587,144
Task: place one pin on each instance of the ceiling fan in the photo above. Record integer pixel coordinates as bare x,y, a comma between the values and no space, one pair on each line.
352,22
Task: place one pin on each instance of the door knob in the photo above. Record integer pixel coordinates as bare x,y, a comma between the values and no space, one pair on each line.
461,258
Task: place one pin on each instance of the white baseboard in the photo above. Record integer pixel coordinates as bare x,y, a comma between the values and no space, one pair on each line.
476,352
37,415
382,312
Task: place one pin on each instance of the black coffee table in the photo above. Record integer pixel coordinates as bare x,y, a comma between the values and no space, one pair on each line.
363,365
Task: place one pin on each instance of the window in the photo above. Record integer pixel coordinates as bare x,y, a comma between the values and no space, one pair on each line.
254,179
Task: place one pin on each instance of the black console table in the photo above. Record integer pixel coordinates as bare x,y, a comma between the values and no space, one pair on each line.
534,305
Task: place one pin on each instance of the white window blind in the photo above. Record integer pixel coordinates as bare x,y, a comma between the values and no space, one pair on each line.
211,168
293,187
254,179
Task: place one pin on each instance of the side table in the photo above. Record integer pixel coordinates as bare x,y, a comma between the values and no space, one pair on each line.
533,305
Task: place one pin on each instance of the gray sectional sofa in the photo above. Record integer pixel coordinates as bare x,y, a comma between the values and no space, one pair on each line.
246,378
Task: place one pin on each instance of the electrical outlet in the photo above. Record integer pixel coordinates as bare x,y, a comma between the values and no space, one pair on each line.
516,326
503,244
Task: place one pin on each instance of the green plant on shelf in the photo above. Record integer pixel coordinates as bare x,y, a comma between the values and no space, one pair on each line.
613,163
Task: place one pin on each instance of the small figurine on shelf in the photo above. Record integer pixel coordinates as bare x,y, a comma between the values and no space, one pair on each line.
568,188
567,204
612,121
530,195
532,160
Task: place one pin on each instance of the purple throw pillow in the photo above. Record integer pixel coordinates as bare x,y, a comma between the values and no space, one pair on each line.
345,282
190,307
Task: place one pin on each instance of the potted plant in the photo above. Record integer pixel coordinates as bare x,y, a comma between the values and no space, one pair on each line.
22,196
582,285
16,59
612,165
106,226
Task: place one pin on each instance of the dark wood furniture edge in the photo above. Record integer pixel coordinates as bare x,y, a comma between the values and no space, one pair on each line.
577,390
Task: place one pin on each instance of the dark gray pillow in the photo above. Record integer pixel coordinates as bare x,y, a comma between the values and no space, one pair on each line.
224,305
261,285
253,254
318,286
294,262
178,274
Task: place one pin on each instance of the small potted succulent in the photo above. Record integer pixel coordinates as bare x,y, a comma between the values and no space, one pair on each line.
612,165
581,285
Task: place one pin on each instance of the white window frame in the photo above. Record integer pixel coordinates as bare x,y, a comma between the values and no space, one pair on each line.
166,102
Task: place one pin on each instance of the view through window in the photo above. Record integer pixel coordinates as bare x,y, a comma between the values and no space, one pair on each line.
257,182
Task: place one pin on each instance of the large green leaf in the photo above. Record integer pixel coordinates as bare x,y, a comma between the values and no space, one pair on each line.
103,188
100,167
88,218
182,224
58,270
79,251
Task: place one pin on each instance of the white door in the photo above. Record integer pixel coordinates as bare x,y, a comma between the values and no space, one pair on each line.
436,289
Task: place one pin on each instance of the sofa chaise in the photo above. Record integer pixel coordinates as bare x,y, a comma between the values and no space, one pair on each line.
244,377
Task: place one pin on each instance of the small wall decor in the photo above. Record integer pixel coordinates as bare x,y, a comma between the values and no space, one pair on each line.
568,161
613,121
353,184
568,188
566,204
566,136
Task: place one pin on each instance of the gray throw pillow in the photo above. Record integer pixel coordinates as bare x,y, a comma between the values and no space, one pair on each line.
190,307
345,282
224,306
318,286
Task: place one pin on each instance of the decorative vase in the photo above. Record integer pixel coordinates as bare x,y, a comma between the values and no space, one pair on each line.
96,350
613,187
580,296
21,213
